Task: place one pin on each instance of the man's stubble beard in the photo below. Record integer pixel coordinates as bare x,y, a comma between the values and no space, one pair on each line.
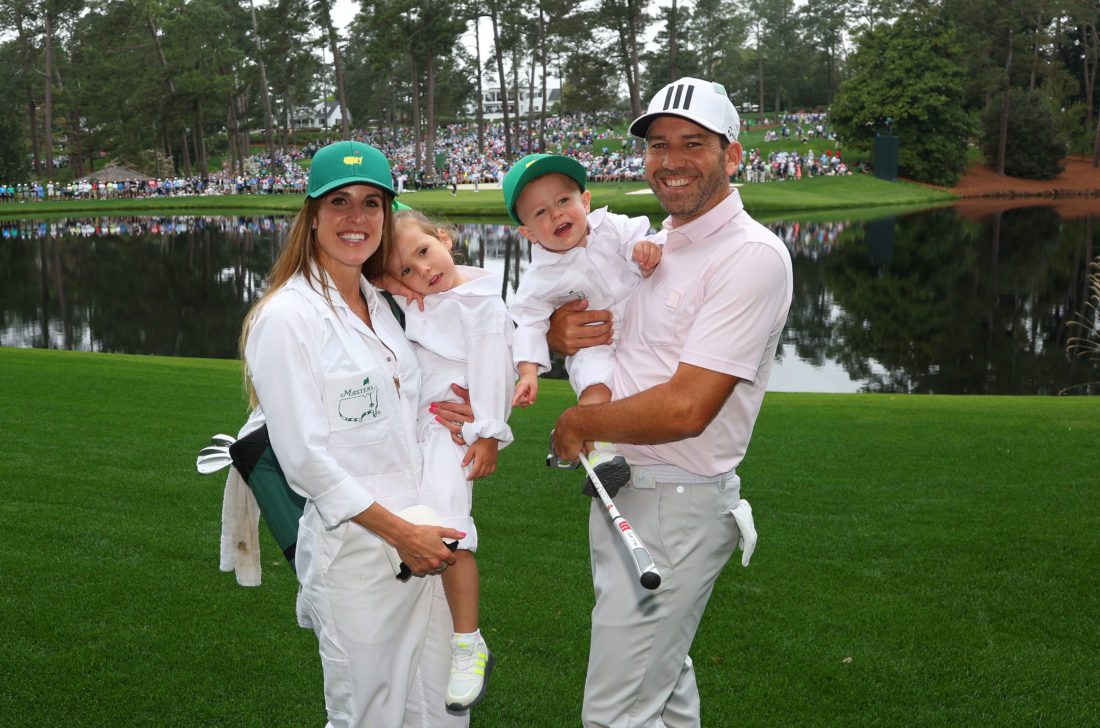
689,206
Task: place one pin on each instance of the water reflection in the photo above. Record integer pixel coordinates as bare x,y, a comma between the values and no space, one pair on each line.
143,285
933,301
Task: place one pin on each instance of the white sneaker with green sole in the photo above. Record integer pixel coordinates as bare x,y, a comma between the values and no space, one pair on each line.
471,663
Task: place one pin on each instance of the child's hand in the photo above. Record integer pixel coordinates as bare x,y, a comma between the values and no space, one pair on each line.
390,283
647,255
526,391
483,455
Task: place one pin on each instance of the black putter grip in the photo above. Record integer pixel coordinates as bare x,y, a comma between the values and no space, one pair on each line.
648,575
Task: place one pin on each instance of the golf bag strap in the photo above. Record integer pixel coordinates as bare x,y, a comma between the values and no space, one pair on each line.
394,306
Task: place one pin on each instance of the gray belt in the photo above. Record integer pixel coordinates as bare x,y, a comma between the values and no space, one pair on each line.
647,476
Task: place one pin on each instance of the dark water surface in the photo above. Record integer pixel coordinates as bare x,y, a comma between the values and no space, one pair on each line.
928,302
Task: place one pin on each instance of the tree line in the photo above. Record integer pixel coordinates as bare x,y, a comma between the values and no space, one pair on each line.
167,85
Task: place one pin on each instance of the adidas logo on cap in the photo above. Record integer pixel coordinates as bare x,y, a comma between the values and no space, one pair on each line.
703,102
673,102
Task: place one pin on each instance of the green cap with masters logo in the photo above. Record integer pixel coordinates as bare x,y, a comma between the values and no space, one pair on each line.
534,166
348,163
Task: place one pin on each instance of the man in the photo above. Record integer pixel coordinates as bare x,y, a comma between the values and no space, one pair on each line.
695,350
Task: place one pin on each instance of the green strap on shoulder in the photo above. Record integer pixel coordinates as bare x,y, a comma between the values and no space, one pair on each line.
397,312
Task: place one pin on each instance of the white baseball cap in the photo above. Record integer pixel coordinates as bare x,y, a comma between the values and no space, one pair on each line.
703,102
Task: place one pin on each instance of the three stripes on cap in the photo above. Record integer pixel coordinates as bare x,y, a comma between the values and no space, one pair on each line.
678,89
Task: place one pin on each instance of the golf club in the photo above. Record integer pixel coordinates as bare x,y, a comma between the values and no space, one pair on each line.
222,440
214,450
648,575
207,464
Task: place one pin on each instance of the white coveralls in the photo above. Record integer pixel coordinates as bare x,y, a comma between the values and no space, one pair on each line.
718,301
463,336
603,271
345,438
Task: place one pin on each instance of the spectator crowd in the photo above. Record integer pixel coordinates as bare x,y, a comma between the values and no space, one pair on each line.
605,155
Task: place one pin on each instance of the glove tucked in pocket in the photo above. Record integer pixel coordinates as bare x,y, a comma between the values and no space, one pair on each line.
742,516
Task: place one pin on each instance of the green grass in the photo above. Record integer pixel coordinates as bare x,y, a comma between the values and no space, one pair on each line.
802,196
946,545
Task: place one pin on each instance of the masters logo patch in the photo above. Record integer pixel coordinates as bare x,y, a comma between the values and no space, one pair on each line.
356,404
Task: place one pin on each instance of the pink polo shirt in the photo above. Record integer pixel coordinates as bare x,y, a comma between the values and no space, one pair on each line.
718,300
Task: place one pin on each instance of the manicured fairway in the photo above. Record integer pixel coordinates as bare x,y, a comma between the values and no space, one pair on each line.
923,561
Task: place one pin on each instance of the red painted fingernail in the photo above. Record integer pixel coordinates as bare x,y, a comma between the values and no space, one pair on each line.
438,419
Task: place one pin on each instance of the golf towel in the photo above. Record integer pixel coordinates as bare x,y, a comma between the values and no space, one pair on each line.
240,539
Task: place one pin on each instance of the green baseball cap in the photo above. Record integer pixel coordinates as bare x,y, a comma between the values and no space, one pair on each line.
346,163
534,166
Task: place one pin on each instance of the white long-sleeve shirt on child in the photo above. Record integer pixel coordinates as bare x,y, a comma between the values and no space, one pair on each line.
603,271
463,336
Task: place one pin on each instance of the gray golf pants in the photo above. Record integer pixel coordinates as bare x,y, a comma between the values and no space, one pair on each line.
639,671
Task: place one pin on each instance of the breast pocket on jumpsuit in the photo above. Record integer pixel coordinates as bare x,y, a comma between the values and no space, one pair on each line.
358,408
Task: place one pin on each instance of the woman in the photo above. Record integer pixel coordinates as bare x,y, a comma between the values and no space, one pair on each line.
338,384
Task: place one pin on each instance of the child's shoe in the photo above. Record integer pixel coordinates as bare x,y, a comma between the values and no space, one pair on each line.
471,663
610,467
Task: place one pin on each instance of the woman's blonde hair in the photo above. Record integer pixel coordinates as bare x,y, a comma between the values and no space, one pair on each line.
300,253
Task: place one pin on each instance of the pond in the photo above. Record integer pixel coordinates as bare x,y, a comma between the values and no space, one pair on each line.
936,301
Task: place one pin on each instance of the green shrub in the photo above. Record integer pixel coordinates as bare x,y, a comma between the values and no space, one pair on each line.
911,76
1035,147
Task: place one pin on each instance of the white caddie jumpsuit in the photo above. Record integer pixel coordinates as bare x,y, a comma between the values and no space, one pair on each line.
340,404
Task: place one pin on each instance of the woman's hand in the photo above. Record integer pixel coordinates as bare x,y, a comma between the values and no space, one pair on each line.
573,328
420,547
423,550
453,415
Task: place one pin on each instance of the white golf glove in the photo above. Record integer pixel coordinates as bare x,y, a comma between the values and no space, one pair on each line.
742,516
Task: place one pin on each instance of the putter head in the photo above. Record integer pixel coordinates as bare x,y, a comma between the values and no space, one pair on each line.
553,461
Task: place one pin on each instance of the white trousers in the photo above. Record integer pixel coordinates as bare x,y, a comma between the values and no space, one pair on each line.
639,671
384,644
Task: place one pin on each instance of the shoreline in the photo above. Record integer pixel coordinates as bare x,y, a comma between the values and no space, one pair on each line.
1074,193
